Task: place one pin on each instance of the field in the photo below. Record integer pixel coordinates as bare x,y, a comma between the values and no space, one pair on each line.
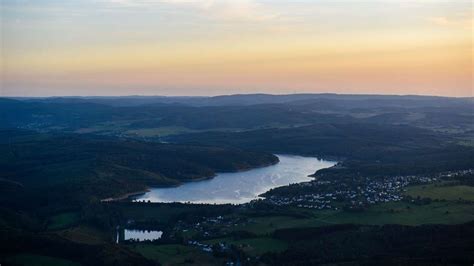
175,254
85,235
434,191
254,246
388,213
159,132
408,214
105,127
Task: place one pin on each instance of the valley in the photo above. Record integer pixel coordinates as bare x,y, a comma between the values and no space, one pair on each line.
214,181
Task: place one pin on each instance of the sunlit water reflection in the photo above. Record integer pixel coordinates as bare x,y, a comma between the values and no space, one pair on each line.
141,235
240,187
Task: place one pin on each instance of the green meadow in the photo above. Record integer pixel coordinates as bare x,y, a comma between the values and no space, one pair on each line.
442,192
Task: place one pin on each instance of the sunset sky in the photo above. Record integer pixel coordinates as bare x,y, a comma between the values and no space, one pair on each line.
206,47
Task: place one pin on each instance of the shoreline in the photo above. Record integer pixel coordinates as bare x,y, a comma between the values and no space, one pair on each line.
125,196
148,189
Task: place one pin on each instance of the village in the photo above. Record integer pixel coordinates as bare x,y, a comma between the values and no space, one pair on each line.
353,193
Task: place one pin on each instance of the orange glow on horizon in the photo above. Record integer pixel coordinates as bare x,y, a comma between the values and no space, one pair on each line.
433,56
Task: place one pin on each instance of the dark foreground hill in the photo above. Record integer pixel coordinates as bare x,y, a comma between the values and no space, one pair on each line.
376,245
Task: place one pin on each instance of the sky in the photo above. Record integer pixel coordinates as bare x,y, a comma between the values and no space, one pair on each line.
215,47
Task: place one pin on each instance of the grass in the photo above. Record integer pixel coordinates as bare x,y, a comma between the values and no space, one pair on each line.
159,132
434,191
85,235
268,224
468,143
37,260
254,246
408,214
175,254
114,126
62,220
387,213
169,131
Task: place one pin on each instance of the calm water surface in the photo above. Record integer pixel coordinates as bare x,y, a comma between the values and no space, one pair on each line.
240,187
142,235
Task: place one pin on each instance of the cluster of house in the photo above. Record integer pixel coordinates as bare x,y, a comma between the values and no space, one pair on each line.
455,173
209,227
363,191
219,247
203,247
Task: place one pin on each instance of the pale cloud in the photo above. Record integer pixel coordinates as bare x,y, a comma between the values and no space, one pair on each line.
229,9
450,22
244,10
131,2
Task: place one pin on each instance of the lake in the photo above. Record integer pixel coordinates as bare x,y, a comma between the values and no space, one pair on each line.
240,187
141,235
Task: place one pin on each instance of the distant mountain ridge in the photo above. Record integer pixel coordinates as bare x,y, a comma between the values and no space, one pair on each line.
237,99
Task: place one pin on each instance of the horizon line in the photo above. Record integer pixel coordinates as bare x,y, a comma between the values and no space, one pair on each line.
237,94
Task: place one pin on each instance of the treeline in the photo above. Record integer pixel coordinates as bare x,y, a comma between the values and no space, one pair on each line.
365,149
104,167
362,141
376,245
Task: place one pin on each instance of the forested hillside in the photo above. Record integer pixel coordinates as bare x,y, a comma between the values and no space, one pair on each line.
58,164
